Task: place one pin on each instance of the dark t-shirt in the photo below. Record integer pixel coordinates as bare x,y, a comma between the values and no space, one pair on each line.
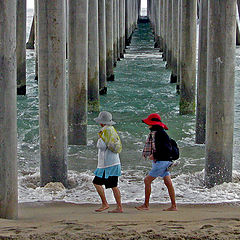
162,144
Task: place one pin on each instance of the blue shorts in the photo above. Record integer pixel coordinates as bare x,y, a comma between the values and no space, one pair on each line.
159,169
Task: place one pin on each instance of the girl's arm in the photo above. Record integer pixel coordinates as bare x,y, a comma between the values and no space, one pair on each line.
101,144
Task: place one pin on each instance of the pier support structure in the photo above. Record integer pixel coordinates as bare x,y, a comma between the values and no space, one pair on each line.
115,33
31,38
93,57
188,56
36,37
121,27
21,46
202,73
109,39
157,24
77,71
161,44
8,111
118,30
165,24
179,45
102,47
174,40
52,91
127,23
169,35
220,91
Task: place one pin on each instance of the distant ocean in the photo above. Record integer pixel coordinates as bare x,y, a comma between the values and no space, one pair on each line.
143,12
141,87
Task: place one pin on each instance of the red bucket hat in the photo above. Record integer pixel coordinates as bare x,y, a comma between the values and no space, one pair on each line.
154,119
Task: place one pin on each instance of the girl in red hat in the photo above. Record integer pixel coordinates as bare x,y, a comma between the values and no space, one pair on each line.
158,149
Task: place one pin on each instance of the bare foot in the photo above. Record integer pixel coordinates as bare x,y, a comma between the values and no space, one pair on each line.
102,208
117,210
170,209
142,207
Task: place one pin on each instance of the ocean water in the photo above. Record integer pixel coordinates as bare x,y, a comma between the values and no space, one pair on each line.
141,87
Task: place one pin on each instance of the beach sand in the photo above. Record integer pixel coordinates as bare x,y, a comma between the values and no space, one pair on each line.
59,220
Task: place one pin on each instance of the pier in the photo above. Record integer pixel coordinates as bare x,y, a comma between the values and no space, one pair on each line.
91,37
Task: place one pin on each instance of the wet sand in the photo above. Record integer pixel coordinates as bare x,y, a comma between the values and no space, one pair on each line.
58,220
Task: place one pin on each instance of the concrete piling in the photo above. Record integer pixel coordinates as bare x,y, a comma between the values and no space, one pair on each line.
179,45
8,111
109,39
157,24
36,37
52,91
169,35
31,38
21,46
220,91
93,57
165,24
121,27
202,73
77,71
115,33
161,43
127,23
173,78
102,47
118,30
188,57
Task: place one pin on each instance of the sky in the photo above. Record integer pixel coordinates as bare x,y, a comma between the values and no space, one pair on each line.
30,3
144,4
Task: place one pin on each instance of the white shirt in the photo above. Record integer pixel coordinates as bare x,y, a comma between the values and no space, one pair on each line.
106,158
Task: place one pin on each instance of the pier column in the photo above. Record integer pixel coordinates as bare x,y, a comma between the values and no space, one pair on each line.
238,23
220,91
52,91
161,45
188,57
157,23
139,9
148,8
152,7
102,47
109,39
31,38
130,19
77,71
179,45
93,56
121,27
118,30
202,73
36,37
127,23
165,24
115,33
8,111
21,47
169,34
174,40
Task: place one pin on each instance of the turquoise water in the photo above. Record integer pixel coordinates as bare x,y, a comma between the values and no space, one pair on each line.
141,87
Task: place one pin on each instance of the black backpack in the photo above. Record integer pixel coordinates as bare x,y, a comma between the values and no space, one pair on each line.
174,155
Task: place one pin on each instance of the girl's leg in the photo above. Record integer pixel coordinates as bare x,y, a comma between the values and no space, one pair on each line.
101,193
117,196
171,192
148,181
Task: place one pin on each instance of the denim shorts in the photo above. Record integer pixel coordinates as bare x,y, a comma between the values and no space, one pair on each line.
160,169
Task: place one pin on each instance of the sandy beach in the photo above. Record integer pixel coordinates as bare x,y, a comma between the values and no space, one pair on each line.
58,220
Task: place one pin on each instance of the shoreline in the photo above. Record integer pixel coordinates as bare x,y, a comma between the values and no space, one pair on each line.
61,220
